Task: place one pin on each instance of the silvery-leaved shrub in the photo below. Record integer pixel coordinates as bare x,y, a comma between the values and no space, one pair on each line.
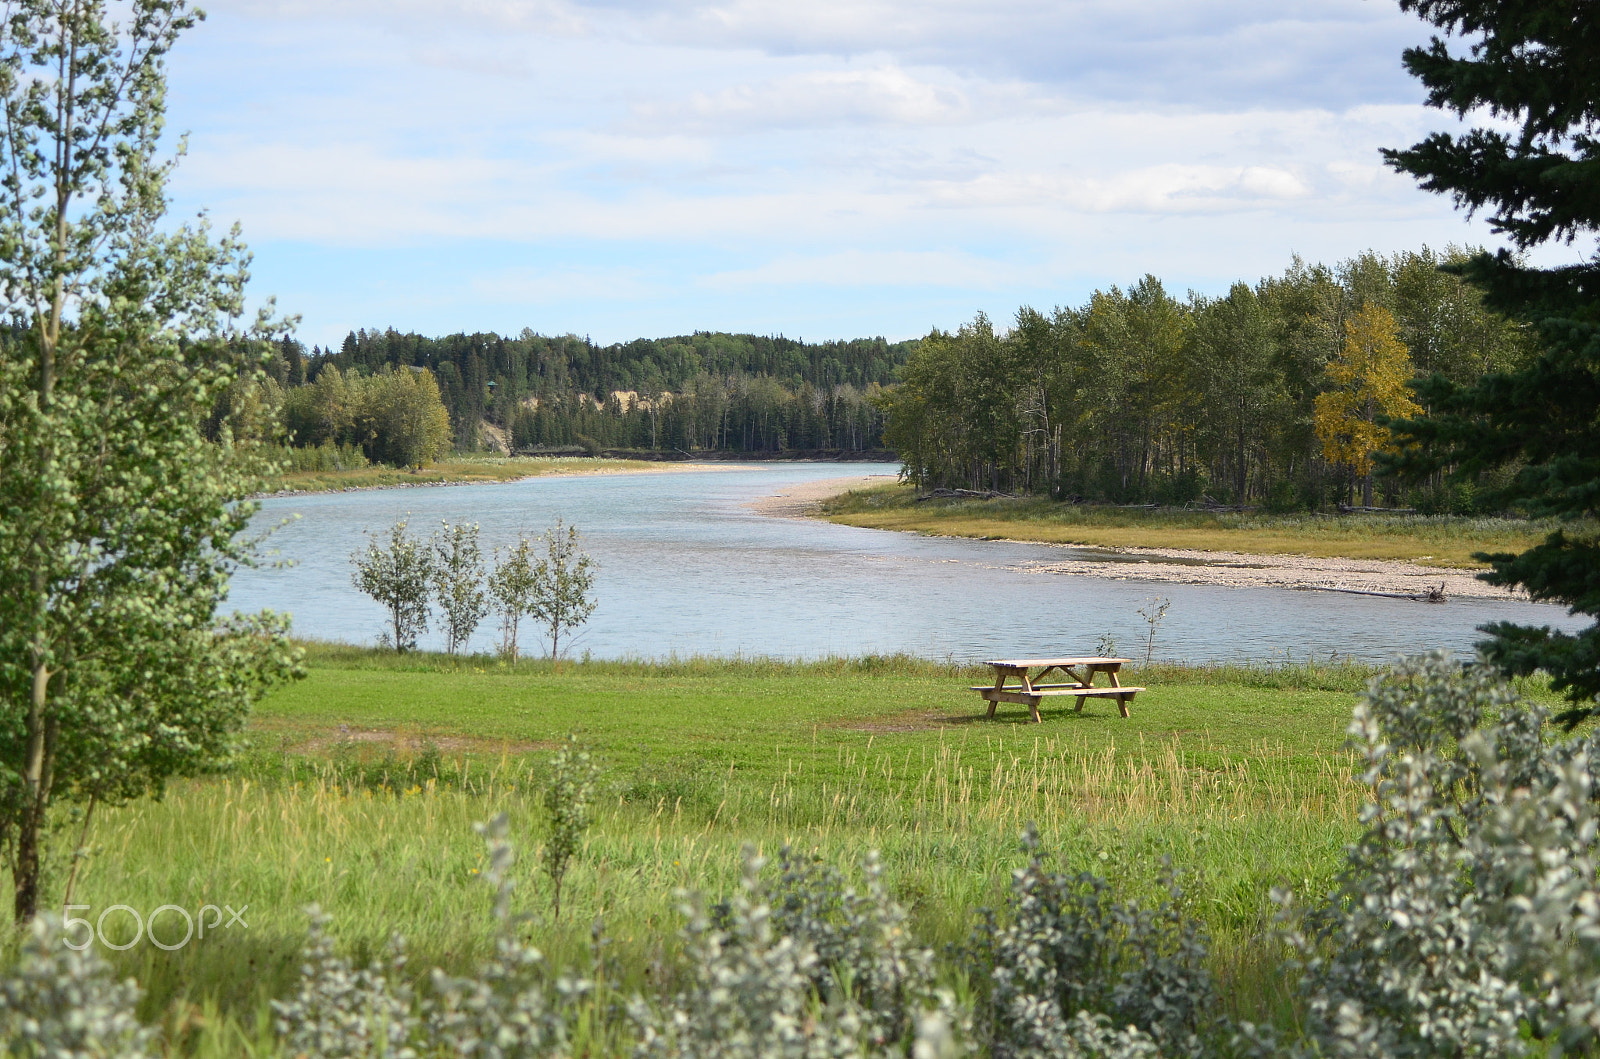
1067,951
863,945
342,1012
758,991
508,1010
58,1003
1466,920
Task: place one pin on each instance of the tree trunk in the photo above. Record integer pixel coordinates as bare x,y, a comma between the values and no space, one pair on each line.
41,730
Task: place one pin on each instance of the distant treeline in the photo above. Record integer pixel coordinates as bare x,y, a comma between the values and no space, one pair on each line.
706,391
1273,393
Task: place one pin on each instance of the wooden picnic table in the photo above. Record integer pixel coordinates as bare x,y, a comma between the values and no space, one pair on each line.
1030,692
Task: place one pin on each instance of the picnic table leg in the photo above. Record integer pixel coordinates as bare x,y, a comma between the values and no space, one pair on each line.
1033,703
1082,682
999,682
1122,700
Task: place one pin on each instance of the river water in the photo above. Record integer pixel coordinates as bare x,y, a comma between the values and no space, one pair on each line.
686,567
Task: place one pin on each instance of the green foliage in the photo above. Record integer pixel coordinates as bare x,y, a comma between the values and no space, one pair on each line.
394,416
505,1011
745,393
1136,396
568,802
1528,65
508,1010
119,518
400,578
457,572
511,588
341,1012
560,584
757,975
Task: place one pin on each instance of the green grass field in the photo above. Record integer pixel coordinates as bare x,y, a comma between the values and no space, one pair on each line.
362,782
1441,540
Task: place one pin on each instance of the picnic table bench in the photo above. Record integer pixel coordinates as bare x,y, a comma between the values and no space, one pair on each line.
1029,692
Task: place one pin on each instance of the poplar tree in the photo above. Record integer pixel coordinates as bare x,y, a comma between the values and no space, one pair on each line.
561,581
1530,68
1371,379
119,522
457,573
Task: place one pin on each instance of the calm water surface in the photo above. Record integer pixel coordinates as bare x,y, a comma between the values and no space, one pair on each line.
687,568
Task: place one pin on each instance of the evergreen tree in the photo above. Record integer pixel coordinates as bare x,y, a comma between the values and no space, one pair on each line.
1531,67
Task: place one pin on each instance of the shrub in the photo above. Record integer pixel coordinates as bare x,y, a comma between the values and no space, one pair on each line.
1069,949
58,1002
1466,920
755,990
507,1010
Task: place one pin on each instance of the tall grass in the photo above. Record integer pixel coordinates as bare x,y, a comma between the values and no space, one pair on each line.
403,859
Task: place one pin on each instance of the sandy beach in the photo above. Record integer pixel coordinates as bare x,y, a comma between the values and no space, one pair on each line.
1187,566
804,499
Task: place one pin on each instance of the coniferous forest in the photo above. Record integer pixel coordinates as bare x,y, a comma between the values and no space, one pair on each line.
701,392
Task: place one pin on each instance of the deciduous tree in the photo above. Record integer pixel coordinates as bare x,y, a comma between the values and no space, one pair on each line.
511,588
561,584
1371,383
119,522
399,577
457,574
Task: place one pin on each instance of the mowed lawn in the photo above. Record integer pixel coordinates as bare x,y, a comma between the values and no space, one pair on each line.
749,714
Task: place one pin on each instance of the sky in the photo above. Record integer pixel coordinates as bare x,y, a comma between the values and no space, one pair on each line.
815,168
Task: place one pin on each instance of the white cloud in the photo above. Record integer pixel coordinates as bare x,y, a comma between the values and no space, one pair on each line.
884,268
882,95
618,153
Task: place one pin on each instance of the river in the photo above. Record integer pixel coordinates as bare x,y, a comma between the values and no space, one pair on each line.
687,568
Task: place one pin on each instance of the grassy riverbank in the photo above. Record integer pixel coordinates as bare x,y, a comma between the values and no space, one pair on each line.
457,470
1441,540
363,782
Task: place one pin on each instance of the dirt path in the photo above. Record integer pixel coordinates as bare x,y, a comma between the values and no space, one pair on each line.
1188,566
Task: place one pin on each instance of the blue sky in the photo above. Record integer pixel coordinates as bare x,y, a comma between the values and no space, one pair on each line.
817,168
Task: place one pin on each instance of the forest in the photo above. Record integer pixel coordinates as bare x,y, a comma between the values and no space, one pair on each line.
706,391
1275,393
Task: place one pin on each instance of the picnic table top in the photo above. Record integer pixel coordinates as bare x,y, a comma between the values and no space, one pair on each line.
1030,663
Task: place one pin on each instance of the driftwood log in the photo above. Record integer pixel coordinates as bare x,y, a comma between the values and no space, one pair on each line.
1428,595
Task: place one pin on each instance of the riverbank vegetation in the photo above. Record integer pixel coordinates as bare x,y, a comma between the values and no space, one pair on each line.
1272,394
356,473
1434,540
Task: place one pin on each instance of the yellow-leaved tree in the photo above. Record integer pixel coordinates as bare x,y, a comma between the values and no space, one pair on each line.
1371,379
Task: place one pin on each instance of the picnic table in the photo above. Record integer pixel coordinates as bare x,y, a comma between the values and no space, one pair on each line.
1029,692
